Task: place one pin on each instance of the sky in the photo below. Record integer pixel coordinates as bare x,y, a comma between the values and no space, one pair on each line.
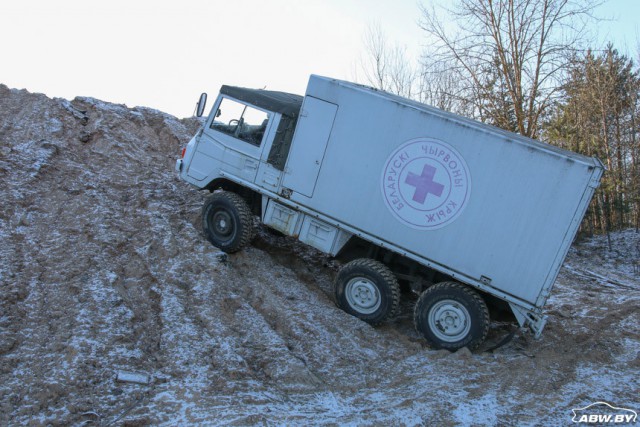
163,54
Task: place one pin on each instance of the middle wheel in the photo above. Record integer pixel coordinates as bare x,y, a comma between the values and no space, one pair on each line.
368,290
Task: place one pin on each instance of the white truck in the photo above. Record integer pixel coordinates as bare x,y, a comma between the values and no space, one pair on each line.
474,219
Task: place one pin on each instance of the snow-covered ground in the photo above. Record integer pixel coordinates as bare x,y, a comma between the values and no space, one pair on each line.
103,269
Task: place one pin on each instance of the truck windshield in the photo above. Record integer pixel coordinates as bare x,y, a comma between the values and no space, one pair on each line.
240,121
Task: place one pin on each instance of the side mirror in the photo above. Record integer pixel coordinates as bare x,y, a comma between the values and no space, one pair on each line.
202,102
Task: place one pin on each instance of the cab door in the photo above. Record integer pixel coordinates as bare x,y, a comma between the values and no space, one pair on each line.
232,140
269,175
276,152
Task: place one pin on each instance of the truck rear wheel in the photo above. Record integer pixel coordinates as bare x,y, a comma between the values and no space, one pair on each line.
451,315
368,290
227,221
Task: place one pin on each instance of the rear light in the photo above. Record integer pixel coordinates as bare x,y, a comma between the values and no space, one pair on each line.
184,150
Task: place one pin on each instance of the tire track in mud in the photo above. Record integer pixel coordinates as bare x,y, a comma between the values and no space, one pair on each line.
307,325
554,364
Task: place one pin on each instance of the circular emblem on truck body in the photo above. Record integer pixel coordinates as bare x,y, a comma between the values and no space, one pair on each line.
426,183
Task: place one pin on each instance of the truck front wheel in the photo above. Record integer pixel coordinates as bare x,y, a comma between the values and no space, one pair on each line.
368,290
451,315
227,221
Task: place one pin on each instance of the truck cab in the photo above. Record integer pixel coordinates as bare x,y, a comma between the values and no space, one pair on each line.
246,138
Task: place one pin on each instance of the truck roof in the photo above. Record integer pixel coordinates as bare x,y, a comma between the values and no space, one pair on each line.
534,143
284,103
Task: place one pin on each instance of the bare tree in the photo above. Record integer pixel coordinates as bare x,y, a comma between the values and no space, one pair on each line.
386,66
436,85
508,55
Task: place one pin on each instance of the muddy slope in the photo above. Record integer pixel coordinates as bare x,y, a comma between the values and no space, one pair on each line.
103,268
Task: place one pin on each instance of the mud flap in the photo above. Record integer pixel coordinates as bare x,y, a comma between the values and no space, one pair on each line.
534,321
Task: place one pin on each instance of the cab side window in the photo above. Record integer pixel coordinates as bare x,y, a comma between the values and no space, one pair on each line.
240,121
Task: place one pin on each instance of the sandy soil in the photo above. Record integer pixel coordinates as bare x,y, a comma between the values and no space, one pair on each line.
104,269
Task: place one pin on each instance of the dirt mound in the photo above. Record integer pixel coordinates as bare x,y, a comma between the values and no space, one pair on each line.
103,269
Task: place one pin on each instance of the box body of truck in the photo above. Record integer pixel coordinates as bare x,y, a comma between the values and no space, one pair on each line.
484,207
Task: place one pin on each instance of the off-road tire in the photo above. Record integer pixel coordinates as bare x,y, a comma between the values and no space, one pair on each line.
450,315
362,277
227,221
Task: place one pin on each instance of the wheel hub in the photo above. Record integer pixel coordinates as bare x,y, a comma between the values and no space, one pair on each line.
222,223
449,320
362,295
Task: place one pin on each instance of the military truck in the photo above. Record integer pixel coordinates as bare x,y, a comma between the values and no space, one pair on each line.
474,219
